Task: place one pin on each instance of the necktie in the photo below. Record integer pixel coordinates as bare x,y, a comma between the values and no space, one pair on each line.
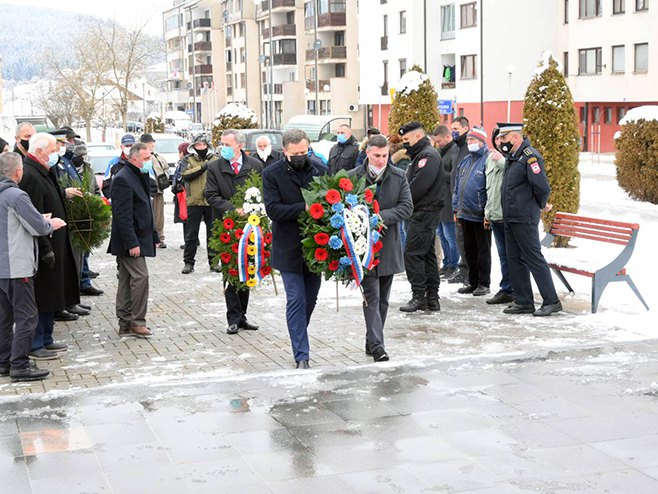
235,166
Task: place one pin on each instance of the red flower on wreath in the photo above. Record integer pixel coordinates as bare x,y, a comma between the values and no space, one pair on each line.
321,238
321,255
345,184
266,254
265,270
368,195
377,246
229,224
234,247
333,196
226,257
375,206
267,238
375,262
238,233
316,210
233,272
225,238
333,266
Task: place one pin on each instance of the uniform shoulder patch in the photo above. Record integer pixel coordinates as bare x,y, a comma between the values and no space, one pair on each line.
532,160
536,169
422,163
527,152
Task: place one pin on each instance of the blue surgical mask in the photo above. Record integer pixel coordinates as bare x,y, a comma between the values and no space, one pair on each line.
455,134
342,138
53,158
147,166
227,153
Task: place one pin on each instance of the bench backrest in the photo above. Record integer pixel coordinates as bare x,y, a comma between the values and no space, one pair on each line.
613,232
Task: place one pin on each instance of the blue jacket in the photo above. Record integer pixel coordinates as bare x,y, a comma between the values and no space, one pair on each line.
470,195
282,194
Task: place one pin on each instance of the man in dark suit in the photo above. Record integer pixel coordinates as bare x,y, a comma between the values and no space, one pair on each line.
224,176
282,192
133,239
395,204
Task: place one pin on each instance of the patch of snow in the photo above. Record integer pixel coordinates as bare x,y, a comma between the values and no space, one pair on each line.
544,64
411,82
647,112
237,110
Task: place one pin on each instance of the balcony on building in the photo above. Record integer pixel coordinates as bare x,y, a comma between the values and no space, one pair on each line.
281,30
277,4
202,69
228,42
327,54
200,46
326,20
285,59
229,66
199,24
310,85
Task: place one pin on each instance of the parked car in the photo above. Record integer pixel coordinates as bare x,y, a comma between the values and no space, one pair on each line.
135,127
166,145
100,153
276,136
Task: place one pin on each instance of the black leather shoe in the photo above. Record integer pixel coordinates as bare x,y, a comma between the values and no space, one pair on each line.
481,290
447,273
433,304
84,306
380,356
63,315
414,304
303,364
93,274
501,298
187,269
548,309
467,289
519,309
76,309
28,374
4,370
458,278
248,326
181,247
57,347
232,329
368,352
91,291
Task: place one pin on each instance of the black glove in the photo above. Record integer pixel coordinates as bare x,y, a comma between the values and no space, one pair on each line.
48,260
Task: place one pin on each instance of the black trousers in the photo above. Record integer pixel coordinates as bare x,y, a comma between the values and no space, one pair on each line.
477,244
17,306
463,265
236,304
377,290
196,214
524,257
419,256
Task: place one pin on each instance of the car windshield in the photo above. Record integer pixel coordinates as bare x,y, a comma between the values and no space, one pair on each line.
167,145
100,147
99,163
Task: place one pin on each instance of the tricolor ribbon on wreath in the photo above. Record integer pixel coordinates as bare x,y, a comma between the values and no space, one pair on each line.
245,251
347,235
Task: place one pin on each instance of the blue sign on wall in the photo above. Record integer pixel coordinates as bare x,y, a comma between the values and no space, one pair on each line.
189,112
445,107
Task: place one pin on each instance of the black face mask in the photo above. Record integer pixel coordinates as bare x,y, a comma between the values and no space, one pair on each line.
407,147
78,160
506,148
298,162
202,153
25,144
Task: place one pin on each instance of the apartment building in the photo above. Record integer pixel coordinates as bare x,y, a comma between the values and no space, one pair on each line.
481,62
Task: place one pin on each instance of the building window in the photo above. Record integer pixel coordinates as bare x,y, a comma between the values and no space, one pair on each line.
618,6
243,80
621,113
340,70
641,57
385,83
641,5
468,66
403,22
242,55
241,30
565,64
339,38
607,115
385,25
589,8
589,61
618,59
566,11
596,115
448,21
468,15
403,66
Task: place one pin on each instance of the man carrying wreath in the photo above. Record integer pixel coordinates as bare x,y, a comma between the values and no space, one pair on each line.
283,182
394,198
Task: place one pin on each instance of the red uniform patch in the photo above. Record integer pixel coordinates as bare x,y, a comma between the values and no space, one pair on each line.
422,163
536,169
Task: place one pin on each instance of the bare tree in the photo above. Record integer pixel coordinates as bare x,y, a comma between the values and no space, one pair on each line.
58,103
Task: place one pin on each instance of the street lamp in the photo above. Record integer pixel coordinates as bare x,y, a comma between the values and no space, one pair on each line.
143,81
269,61
317,44
510,70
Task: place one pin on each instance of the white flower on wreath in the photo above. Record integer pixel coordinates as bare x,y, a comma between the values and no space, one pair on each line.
360,246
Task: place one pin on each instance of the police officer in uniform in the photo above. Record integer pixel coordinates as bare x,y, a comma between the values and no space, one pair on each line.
426,182
525,194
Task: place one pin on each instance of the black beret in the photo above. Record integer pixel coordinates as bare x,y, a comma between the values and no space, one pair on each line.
408,127
146,138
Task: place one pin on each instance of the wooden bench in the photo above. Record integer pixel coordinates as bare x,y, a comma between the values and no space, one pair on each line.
598,230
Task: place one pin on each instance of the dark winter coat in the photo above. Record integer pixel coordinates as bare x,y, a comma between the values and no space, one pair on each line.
525,186
272,158
425,176
395,206
282,193
470,195
450,159
132,215
221,182
343,156
57,287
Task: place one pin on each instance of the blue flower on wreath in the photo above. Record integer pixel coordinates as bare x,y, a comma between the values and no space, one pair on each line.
374,221
338,207
375,236
345,261
352,199
335,242
337,220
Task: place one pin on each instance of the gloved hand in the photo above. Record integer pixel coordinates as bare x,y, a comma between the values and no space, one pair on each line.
48,260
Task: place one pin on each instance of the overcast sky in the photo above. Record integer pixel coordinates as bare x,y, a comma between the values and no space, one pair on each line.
125,11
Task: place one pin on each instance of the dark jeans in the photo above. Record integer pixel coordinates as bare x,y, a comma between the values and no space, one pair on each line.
524,257
236,304
377,290
17,306
419,255
448,235
499,236
195,215
43,335
85,279
301,294
477,244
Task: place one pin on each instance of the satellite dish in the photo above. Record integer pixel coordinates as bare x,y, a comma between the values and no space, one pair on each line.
317,44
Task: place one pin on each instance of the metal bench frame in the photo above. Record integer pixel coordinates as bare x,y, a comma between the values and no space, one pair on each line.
598,230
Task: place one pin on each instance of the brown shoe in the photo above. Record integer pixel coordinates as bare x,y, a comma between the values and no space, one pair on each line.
140,331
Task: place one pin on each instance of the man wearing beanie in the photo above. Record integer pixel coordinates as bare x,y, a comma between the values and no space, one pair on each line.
468,201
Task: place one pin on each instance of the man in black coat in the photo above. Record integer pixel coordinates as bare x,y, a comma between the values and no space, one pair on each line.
133,239
427,184
344,154
56,284
24,131
224,176
282,192
264,152
395,206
